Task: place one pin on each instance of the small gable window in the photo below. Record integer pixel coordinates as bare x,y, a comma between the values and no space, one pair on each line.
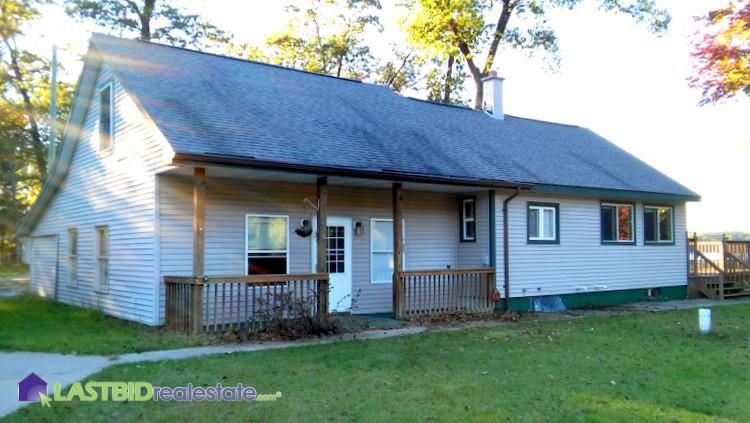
106,113
658,224
543,223
618,223
468,219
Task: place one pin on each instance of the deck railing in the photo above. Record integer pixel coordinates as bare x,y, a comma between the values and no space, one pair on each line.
233,302
719,269
429,292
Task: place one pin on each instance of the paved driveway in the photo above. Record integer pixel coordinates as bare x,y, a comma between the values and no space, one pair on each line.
11,286
64,369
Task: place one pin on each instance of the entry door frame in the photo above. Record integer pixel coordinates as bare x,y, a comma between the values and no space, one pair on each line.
346,277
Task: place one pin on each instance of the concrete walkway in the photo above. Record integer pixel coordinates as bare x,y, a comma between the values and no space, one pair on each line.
66,369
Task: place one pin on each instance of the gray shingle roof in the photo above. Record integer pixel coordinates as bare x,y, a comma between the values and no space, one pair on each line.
206,104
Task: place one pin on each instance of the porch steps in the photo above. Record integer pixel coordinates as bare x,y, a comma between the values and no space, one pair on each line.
719,269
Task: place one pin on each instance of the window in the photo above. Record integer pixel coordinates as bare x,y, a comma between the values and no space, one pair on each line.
543,225
102,257
468,219
381,250
267,241
336,258
106,109
72,256
658,224
618,223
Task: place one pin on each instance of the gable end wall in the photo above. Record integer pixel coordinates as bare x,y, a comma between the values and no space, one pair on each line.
115,189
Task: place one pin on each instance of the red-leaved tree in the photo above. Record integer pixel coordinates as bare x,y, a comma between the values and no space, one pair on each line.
721,53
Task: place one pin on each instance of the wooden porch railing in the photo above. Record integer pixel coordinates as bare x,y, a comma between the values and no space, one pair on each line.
232,302
431,292
719,269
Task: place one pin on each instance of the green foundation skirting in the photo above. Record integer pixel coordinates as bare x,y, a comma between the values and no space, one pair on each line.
605,298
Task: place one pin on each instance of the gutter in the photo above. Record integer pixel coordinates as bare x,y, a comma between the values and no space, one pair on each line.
242,161
506,249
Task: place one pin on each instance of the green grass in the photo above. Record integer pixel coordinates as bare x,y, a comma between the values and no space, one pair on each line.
31,323
13,269
645,367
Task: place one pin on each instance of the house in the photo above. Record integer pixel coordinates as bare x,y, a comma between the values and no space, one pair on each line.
182,163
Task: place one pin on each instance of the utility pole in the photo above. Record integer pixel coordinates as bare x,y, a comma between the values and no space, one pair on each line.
52,147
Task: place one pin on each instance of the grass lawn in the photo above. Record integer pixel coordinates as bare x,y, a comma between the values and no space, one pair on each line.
13,269
645,367
34,324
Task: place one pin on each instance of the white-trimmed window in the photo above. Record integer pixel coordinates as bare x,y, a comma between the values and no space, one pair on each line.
543,223
381,250
72,256
102,257
267,244
618,223
106,117
468,219
658,224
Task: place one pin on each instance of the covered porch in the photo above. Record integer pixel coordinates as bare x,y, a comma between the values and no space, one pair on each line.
409,247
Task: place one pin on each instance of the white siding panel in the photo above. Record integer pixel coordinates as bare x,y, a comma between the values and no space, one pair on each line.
116,189
580,260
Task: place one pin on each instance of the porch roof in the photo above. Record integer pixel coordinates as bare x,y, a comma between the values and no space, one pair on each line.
222,108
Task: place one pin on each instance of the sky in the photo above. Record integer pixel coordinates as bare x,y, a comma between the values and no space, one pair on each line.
615,78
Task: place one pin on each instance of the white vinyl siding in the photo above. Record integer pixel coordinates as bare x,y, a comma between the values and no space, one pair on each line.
581,263
117,190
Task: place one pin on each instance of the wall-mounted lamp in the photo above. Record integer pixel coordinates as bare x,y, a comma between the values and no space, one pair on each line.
358,227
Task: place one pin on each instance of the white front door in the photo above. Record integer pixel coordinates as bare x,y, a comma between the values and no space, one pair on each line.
339,240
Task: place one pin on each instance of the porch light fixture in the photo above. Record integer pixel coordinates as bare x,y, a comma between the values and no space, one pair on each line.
358,227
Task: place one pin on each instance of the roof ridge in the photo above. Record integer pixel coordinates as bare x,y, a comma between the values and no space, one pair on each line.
547,121
224,56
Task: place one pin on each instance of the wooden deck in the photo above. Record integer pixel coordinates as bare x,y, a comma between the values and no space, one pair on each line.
719,269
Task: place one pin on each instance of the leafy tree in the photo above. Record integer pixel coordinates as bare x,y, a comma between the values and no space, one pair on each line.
402,72
722,53
446,86
447,28
24,124
149,20
327,37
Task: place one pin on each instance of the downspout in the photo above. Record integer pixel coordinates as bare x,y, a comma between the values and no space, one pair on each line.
506,249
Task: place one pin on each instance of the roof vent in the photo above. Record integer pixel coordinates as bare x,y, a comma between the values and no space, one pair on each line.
492,103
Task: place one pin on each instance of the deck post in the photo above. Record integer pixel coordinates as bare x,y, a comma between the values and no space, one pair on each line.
398,249
199,219
321,242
